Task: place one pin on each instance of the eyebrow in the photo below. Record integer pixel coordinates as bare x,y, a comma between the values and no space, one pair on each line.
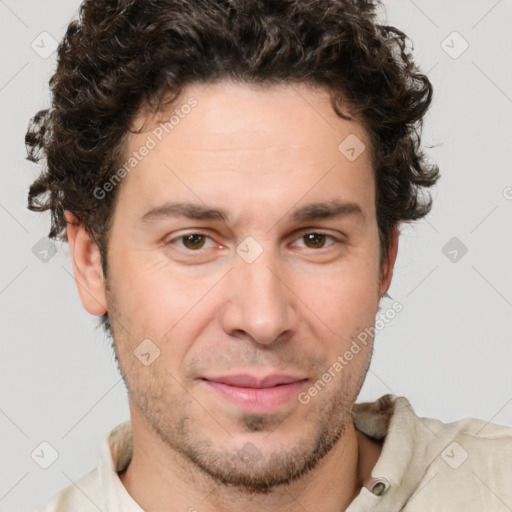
310,212
190,210
327,210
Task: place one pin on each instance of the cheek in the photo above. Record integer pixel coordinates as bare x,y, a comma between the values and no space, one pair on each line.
345,296
143,288
155,302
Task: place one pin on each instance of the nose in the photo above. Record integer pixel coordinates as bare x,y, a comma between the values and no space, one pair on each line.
259,303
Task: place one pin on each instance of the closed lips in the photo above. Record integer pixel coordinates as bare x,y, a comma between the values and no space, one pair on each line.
247,381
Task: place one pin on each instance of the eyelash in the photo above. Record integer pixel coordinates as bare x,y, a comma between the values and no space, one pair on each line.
303,235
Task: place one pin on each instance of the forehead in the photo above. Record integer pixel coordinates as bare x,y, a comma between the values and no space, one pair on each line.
245,141
226,114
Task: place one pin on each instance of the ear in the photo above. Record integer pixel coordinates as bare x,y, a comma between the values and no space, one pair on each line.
86,259
389,264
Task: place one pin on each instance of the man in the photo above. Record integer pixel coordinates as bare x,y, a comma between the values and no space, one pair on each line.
231,178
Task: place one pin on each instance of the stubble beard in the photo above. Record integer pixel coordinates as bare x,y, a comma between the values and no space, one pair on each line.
245,468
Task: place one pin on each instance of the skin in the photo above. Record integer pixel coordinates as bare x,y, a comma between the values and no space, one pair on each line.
259,154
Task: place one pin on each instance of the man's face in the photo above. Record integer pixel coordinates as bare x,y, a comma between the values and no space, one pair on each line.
247,311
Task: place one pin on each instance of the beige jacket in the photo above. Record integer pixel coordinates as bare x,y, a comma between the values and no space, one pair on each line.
425,465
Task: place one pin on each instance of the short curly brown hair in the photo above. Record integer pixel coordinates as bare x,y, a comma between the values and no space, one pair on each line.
123,54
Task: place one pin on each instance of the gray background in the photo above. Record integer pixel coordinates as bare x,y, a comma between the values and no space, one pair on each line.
449,351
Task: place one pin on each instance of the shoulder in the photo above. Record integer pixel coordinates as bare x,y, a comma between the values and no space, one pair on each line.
83,495
477,448
482,444
466,463
426,464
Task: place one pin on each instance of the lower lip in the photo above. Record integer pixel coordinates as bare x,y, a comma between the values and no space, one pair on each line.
258,400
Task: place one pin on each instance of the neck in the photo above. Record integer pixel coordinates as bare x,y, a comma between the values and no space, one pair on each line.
158,476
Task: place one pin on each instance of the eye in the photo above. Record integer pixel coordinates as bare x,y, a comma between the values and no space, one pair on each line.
316,240
191,241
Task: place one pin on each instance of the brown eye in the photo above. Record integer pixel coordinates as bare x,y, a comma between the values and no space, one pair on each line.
315,240
194,241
